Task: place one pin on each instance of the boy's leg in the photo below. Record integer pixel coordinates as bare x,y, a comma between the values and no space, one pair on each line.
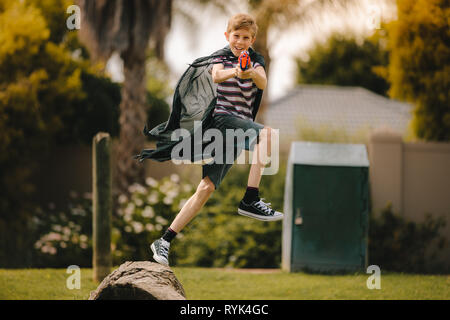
251,205
161,246
260,154
193,205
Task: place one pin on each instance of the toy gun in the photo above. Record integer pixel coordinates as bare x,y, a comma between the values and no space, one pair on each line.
244,60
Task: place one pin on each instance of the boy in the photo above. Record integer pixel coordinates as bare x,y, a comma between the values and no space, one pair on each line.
232,106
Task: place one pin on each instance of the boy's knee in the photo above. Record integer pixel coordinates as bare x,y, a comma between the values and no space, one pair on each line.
206,186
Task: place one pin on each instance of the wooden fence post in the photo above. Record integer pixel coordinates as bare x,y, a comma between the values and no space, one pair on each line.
102,205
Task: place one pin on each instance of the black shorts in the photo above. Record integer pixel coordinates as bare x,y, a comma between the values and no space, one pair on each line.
217,171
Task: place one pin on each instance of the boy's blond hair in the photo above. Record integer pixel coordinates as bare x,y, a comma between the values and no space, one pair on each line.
242,21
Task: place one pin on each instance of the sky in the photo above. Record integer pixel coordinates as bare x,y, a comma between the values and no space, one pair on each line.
284,45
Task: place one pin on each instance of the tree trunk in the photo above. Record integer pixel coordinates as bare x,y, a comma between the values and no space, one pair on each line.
132,120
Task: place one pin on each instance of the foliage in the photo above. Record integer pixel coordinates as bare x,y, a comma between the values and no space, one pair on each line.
97,112
396,244
419,64
30,69
65,238
158,81
217,237
50,93
42,68
343,61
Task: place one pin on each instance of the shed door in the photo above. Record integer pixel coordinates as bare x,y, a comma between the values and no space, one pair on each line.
332,203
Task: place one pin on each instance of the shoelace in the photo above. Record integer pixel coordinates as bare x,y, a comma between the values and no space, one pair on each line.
164,249
265,207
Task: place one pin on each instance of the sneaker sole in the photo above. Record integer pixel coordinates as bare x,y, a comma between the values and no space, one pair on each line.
156,257
259,217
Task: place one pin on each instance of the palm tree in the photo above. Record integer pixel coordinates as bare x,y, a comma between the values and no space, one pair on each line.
127,27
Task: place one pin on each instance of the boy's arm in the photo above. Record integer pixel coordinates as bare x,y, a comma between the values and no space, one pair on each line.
219,74
258,75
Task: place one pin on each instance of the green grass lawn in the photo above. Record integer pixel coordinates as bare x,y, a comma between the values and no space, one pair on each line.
218,284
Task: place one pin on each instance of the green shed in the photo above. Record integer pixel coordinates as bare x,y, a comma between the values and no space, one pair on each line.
326,206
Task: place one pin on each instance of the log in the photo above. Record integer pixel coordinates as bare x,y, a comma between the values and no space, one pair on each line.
140,280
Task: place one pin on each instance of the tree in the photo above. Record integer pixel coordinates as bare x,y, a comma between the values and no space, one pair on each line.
342,61
30,90
47,86
419,64
127,27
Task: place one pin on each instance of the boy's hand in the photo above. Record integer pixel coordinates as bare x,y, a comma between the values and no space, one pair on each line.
247,74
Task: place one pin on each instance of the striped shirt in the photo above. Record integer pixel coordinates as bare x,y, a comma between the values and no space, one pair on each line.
235,96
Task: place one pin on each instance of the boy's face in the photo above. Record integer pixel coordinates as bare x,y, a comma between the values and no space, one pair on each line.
239,40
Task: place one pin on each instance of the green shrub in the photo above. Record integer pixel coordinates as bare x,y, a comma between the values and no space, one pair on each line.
396,244
97,111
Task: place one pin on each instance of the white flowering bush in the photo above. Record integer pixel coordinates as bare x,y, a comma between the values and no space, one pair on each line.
64,237
145,214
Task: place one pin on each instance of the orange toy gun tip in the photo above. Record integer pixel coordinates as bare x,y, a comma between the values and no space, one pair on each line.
244,60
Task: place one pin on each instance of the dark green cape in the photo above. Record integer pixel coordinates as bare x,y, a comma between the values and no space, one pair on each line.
194,100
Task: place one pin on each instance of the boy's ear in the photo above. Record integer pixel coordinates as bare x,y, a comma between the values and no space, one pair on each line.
227,36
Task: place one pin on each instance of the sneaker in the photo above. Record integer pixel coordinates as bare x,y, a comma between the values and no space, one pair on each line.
160,250
259,210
